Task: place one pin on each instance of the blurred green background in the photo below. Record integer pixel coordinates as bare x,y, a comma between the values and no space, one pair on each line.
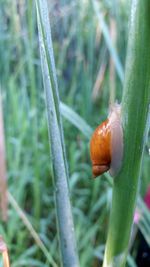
90,59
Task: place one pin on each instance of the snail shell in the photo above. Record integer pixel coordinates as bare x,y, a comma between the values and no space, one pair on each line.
106,145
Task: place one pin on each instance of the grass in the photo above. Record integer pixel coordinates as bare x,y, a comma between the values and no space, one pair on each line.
4,253
135,111
79,48
65,224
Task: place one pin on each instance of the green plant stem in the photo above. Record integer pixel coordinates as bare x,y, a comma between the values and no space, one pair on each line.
59,162
135,106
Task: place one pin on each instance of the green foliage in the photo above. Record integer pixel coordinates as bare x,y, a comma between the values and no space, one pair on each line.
80,51
65,225
135,114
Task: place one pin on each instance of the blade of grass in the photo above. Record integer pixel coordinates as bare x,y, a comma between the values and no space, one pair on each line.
76,120
63,206
112,78
135,108
110,46
30,228
3,176
130,261
97,88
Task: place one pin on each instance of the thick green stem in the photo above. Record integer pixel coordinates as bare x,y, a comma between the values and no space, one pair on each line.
135,106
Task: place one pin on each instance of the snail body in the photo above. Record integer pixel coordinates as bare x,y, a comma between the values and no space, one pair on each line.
106,145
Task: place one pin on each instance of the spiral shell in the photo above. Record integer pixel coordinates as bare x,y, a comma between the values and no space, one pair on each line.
106,145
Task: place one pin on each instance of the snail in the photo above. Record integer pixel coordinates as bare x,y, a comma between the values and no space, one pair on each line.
106,145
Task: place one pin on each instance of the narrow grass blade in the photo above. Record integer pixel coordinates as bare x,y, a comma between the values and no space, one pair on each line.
30,228
76,120
97,88
112,77
3,175
110,46
130,261
63,206
135,109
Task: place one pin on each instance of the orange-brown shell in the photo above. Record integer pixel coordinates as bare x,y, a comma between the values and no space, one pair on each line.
100,148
